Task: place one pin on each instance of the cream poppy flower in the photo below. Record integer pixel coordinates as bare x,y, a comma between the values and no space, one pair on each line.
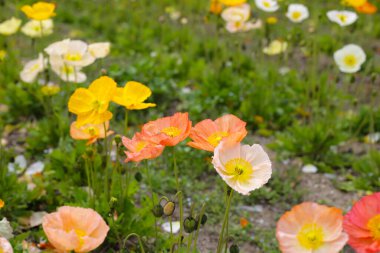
244,168
5,246
10,26
297,13
350,58
70,52
6,230
276,47
100,49
239,14
38,29
233,27
267,5
342,18
32,69
69,73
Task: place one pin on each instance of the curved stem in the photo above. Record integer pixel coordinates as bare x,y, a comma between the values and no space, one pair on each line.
138,238
225,222
199,226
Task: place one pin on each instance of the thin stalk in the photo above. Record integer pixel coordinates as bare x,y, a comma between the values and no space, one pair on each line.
138,238
148,176
126,122
106,162
199,226
225,222
180,198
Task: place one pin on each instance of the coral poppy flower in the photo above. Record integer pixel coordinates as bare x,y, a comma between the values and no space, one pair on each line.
367,8
91,105
232,2
39,11
90,132
5,246
207,134
215,7
311,228
244,168
75,229
168,131
362,224
139,148
132,96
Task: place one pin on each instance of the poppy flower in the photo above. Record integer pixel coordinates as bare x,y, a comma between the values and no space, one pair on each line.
311,228
132,96
33,68
267,5
38,29
207,134
10,26
297,13
232,2
75,229
215,7
168,131
90,132
140,148
91,105
244,168
100,49
367,8
5,246
343,18
350,58
362,224
39,11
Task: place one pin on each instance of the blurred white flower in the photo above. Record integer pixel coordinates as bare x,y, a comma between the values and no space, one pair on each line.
267,5
343,18
100,49
297,13
69,73
350,58
175,227
10,26
32,69
19,164
6,230
38,29
239,14
309,169
275,47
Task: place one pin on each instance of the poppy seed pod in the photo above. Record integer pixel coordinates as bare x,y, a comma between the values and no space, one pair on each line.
169,208
117,139
234,248
203,220
138,176
189,224
158,211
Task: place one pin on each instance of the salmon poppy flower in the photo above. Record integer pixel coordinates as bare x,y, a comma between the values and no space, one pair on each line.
244,168
207,134
362,224
90,132
39,11
75,229
168,131
132,96
91,105
5,246
367,8
311,228
140,148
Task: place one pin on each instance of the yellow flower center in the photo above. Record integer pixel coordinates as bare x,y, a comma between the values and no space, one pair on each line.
92,131
37,28
73,57
35,67
67,70
216,137
80,233
140,145
171,131
311,236
98,105
296,15
266,4
240,169
374,226
350,60
342,18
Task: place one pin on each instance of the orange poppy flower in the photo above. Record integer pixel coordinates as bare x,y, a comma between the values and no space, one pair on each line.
168,131
216,7
367,8
89,132
140,148
244,222
207,134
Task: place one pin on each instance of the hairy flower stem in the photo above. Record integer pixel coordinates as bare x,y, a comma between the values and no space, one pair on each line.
106,186
180,197
126,122
149,179
225,222
138,238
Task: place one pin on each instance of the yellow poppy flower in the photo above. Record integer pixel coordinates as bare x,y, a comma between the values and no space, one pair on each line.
91,105
354,3
232,2
39,11
132,96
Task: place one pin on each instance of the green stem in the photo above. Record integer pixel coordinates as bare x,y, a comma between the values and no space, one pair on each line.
152,197
180,198
106,163
138,238
126,122
199,226
225,222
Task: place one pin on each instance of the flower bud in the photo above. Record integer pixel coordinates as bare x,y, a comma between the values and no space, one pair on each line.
169,208
189,224
117,139
203,220
138,176
234,248
90,152
158,211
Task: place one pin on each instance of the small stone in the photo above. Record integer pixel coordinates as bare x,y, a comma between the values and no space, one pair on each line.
309,169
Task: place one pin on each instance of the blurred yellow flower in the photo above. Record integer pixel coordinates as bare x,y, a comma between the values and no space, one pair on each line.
354,3
2,203
91,105
272,20
232,2
215,7
132,96
50,89
3,54
275,47
39,11
10,26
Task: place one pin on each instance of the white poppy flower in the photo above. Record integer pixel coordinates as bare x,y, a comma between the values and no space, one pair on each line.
297,13
233,27
237,14
276,47
342,18
175,227
32,69
18,164
6,230
350,58
10,26
100,49
5,246
35,168
309,169
38,29
69,73
267,5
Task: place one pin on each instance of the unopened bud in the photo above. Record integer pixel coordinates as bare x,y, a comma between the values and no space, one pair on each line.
90,152
203,220
158,211
234,248
189,224
103,72
138,176
169,208
117,139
